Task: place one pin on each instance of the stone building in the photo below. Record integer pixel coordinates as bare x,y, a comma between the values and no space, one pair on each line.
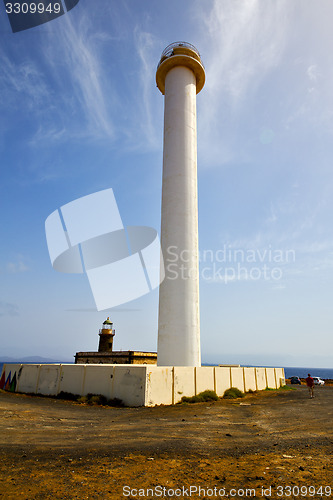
107,355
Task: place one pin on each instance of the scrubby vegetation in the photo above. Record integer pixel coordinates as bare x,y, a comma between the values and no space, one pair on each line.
68,396
201,397
93,399
233,393
90,399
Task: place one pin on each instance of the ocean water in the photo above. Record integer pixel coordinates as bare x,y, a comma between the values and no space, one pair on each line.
324,373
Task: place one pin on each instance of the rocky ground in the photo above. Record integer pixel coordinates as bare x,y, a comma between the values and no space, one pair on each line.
273,444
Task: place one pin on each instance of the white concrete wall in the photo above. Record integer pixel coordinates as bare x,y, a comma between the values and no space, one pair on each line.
279,377
72,379
99,380
237,378
184,382
159,385
249,379
270,378
14,368
222,380
129,384
28,379
11,369
204,379
49,380
139,385
260,374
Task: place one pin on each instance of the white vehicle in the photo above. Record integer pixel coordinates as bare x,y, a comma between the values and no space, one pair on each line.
318,381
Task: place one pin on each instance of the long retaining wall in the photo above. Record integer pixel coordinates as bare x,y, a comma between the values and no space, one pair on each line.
136,385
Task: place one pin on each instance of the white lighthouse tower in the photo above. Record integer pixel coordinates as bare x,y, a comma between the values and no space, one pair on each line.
180,76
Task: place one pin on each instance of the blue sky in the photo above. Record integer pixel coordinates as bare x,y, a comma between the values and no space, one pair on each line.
80,112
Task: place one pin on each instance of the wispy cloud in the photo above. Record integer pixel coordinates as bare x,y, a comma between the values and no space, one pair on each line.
8,309
241,44
17,265
248,39
146,44
21,84
76,58
313,73
62,82
313,98
94,100
48,135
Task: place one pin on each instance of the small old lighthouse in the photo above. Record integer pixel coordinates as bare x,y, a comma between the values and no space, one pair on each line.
106,335
106,354
180,76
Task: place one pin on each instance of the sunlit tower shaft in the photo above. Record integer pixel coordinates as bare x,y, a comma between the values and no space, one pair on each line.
180,76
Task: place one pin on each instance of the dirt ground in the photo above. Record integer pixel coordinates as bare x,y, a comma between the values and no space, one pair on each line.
273,444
